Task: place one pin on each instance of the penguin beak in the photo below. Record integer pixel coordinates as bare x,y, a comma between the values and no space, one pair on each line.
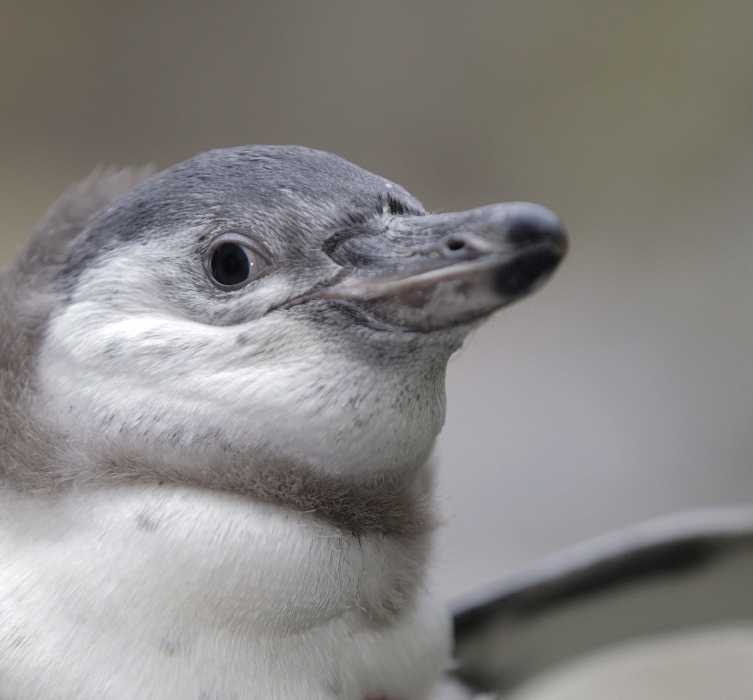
431,272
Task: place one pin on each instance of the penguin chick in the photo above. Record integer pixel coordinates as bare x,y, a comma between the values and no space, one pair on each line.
219,389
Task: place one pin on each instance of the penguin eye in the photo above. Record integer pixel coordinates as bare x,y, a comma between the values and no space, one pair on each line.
231,261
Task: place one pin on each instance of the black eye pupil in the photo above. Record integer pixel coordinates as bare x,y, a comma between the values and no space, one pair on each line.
230,264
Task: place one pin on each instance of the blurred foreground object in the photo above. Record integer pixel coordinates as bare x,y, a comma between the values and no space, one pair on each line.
670,575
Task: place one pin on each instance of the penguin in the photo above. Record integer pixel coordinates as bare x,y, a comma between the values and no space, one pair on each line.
219,391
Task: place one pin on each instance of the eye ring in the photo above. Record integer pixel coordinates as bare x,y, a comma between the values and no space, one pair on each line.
232,261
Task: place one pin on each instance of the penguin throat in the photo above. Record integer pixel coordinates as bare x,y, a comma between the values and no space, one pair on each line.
387,503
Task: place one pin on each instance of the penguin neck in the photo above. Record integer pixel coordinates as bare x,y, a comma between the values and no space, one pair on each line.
184,548
390,502
396,502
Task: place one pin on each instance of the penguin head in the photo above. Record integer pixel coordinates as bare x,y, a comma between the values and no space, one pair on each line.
277,303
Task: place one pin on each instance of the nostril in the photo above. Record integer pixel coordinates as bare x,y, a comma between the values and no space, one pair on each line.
464,246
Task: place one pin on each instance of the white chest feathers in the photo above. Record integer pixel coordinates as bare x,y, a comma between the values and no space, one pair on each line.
166,592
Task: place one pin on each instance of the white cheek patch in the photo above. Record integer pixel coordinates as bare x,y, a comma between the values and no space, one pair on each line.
120,360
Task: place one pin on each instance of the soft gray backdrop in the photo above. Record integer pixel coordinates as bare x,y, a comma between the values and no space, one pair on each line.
623,389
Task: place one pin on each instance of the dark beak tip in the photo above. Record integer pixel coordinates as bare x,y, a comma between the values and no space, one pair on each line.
529,224
541,242
526,272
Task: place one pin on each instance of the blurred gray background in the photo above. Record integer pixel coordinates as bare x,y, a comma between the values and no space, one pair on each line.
624,389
